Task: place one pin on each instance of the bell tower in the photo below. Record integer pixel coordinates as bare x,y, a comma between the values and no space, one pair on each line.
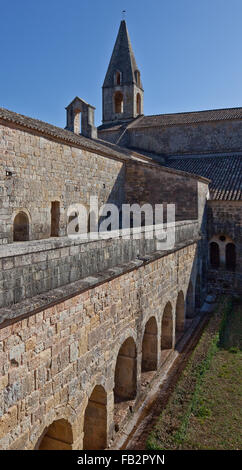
122,90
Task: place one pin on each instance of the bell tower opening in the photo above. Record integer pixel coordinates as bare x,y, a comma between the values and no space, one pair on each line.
138,103
118,102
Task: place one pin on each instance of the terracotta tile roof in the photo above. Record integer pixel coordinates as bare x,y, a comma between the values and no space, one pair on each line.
225,173
189,117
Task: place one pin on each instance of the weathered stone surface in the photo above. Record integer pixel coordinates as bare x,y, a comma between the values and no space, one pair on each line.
54,380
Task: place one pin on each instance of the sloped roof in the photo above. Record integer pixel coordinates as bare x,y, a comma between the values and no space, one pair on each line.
188,117
64,135
225,173
122,59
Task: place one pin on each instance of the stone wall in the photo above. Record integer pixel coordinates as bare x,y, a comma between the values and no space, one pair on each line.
31,268
43,171
224,218
205,137
53,361
144,184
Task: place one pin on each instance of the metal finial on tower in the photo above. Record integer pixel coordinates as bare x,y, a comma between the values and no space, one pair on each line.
124,14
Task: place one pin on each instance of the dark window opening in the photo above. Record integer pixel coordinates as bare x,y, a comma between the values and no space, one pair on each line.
55,218
21,228
214,255
118,78
230,256
137,77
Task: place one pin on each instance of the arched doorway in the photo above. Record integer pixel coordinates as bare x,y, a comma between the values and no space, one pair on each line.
95,420
149,346
190,301
214,255
230,256
180,312
21,227
126,372
58,436
167,328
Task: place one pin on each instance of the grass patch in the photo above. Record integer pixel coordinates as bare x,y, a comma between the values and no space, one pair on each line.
204,410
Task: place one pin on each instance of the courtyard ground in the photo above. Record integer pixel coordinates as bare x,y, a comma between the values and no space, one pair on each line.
205,409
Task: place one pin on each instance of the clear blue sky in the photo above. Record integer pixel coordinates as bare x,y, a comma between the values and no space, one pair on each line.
189,53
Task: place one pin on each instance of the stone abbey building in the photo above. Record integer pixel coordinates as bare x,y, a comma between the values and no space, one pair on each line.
81,322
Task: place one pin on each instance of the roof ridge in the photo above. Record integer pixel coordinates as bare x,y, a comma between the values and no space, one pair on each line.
194,112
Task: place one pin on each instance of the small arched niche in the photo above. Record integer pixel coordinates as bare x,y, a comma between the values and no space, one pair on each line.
21,227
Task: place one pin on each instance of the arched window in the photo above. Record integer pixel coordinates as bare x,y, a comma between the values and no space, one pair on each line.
138,103
55,218
214,255
137,77
230,256
21,227
118,102
117,78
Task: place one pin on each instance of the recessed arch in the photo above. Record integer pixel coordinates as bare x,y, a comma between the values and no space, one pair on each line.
58,436
180,312
167,327
95,420
125,378
149,346
21,227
